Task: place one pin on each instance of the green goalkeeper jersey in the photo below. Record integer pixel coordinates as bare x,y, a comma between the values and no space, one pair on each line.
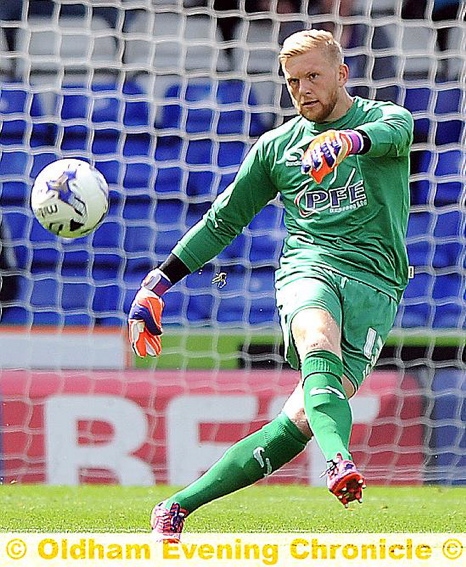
354,222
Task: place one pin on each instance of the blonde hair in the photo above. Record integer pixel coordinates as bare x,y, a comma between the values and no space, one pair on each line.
303,41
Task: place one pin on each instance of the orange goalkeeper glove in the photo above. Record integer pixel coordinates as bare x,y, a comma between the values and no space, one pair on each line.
145,315
329,149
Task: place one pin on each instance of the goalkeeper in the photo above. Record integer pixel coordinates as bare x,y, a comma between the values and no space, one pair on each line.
341,168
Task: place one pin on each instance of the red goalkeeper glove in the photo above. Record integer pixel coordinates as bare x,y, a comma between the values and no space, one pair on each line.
329,149
145,315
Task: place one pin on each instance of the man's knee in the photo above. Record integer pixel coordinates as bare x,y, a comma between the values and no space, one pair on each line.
300,420
294,410
315,329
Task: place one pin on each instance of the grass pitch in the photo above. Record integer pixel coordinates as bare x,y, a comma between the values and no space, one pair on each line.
39,508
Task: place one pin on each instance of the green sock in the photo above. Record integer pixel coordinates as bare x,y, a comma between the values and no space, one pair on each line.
244,463
325,403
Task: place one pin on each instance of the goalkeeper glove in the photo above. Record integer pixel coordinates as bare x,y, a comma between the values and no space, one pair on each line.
145,315
329,149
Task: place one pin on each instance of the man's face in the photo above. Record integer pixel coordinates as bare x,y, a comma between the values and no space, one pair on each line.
315,83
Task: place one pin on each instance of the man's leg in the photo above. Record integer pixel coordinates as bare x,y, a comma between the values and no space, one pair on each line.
325,403
244,463
247,461
317,338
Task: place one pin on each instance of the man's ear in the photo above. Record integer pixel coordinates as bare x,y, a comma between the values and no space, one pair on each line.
343,74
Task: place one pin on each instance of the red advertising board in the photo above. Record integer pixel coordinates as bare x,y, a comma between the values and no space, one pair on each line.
150,427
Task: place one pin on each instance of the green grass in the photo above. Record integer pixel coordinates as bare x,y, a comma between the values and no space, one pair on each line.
38,508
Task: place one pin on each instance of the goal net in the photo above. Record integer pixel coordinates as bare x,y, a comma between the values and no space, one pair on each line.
165,98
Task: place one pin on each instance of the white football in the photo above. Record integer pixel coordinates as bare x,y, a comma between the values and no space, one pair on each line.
70,198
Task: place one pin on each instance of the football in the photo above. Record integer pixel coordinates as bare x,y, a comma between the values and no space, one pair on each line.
70,198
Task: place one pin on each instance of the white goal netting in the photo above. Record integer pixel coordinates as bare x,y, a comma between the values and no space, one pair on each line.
165,98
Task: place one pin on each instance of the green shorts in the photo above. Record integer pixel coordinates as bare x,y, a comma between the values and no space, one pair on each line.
364,315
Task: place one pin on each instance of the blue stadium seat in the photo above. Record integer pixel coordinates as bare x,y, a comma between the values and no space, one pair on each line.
109,235
449,173
449,295
90,123
231,154
168,171
19,223
200,300
36,249
448,416
77,296
445,186
139,233
25,231
198,168
200,152
139,245
211,166
139,238
87,123
105,105
138,176
55,303
267,235
418,244
434,300
18,169
71,299
16,315
170,220
112,123
223,107
416,307
129,163
247,298
108,300
15,178
183,113
448,112
200,165
137,162
135,208
234,120
244,297
262,241
111,168
106,243
450,235
436,238
23,120
417,101
436,113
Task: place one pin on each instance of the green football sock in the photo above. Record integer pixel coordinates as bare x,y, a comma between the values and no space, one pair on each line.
244,463
325,403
